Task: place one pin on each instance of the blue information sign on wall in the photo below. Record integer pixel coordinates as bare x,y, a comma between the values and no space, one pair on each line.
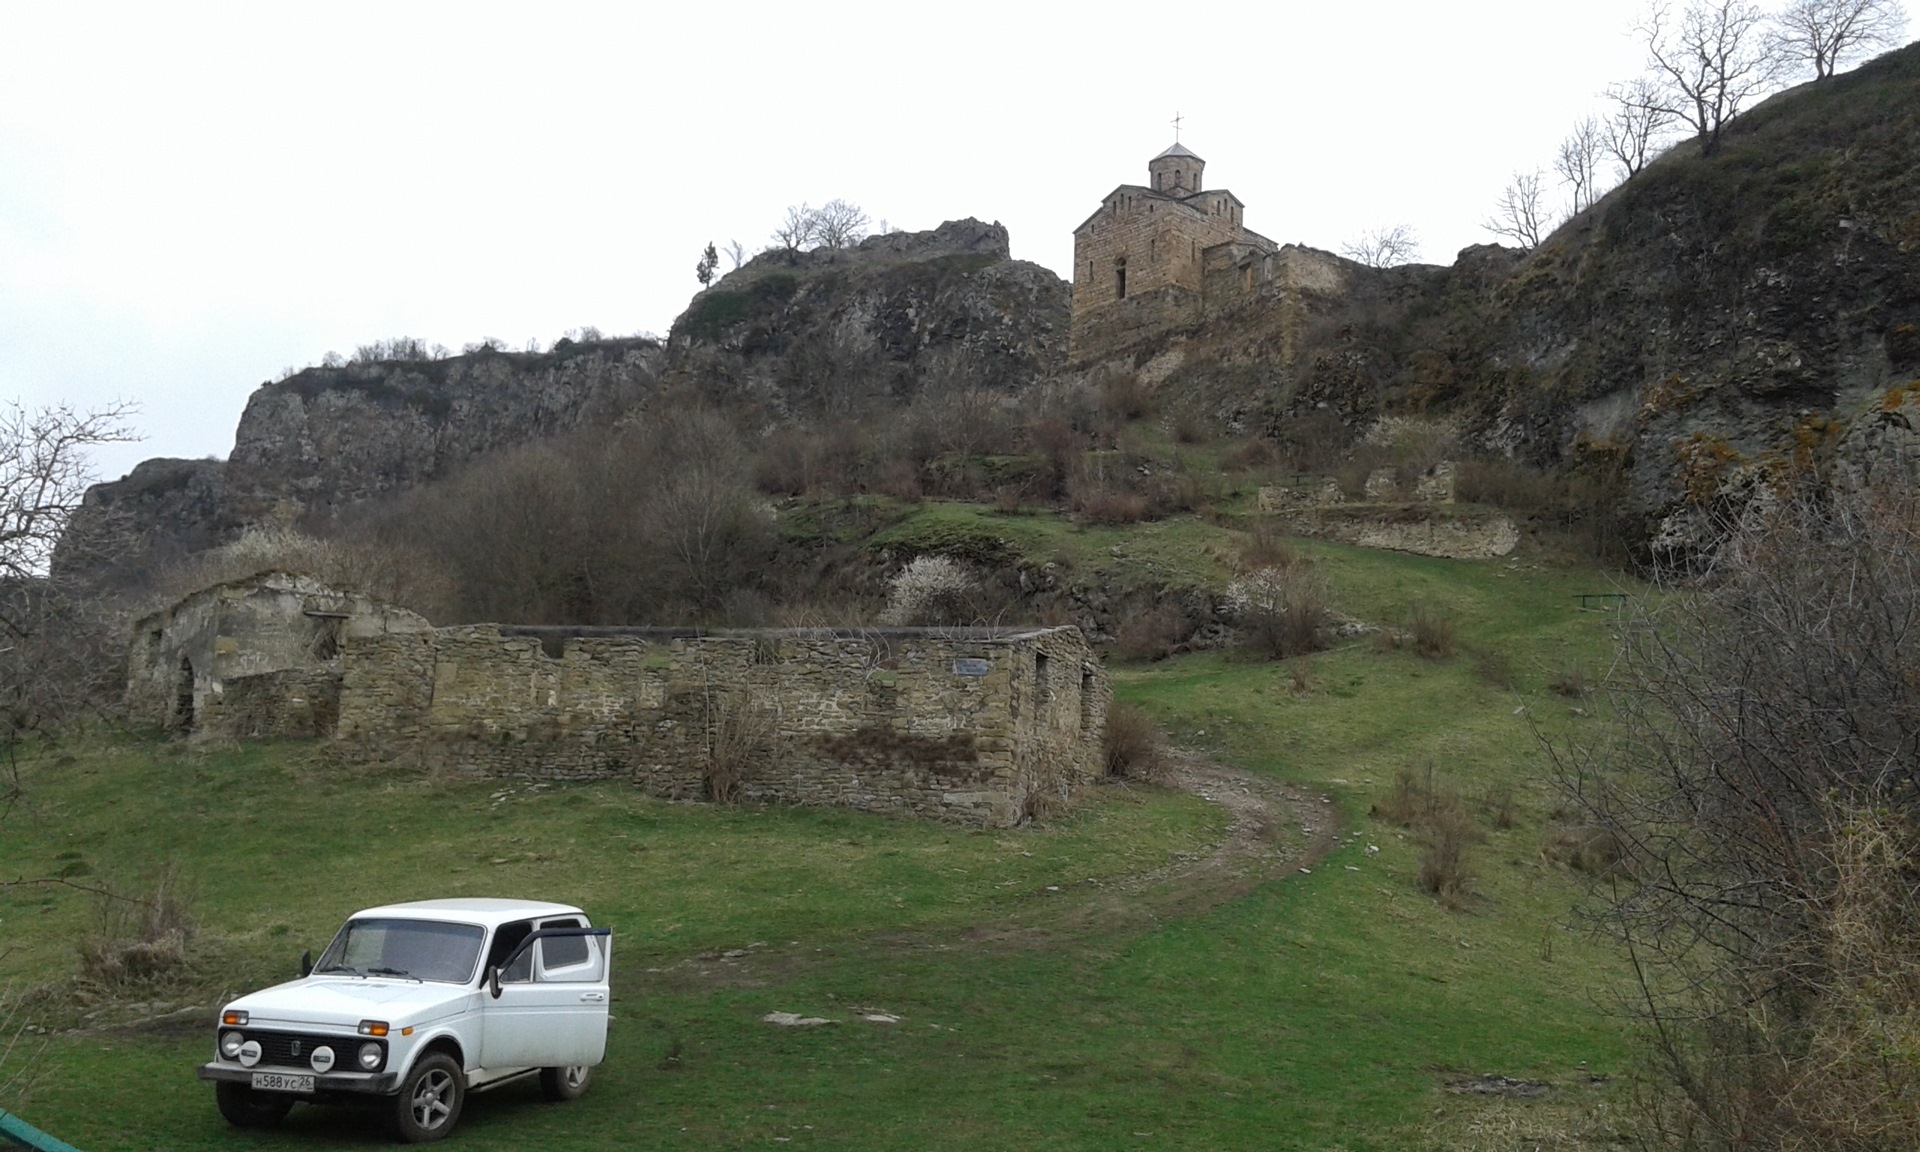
971,666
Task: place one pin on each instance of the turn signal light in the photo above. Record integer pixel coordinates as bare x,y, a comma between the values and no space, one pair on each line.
373,1027
232,1017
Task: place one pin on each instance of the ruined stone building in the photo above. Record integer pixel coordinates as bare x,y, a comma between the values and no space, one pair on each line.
254,657
987,726
1161,256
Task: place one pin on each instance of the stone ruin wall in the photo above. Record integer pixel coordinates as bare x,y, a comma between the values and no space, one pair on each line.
956,724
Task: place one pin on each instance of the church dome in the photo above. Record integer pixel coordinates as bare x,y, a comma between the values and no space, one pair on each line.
1175,172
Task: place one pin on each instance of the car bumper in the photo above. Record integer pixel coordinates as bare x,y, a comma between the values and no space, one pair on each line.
324,1083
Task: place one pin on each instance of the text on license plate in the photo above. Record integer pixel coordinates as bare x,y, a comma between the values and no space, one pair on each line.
282,1082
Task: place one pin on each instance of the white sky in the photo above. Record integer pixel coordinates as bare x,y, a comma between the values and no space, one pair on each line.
194,196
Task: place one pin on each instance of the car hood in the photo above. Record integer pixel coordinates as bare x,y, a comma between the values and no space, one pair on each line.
347,1000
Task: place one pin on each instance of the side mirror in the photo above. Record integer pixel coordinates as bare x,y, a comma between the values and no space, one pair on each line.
306,964
493,982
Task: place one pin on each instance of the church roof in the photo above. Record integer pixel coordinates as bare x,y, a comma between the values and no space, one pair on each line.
1178,150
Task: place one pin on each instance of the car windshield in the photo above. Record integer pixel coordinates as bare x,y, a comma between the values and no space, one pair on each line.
417,949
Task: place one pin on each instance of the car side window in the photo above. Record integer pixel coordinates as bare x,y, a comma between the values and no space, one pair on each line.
565,958
505,940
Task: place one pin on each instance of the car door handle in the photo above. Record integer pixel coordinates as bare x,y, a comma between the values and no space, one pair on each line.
592,997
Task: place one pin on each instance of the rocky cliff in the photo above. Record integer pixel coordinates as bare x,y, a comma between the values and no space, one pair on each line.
836,329
1718,322
787,334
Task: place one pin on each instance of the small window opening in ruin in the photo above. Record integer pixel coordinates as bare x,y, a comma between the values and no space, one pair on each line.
1086,699
182,720
1042,691
554,644
1120,279
326,639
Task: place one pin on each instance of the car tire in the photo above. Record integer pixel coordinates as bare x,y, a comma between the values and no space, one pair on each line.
245,1108
431,1096
568,1083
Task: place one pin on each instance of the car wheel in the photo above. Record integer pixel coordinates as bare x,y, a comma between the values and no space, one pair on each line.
568,1083
245,1108
430,1098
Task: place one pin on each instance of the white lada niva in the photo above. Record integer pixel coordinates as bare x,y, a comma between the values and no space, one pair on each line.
413,1006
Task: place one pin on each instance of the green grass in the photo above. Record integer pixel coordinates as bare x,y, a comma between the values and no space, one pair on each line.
1315,1011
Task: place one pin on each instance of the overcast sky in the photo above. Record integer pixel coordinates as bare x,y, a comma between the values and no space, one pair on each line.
195,196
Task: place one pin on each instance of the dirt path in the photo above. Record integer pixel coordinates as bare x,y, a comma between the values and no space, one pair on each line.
1275,831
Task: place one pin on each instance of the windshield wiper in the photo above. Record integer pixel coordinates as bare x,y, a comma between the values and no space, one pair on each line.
347,968
393,972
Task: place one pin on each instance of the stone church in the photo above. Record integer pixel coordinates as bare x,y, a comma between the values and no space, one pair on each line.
1160,257
1148,259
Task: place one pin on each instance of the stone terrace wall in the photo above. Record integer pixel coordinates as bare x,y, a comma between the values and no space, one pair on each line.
976,725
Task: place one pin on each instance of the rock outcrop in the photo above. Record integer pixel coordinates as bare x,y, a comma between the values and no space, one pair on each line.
787,334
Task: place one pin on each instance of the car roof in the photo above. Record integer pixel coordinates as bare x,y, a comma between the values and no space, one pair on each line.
485,910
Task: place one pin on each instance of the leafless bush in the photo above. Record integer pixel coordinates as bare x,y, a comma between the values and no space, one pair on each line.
1421,801
139,938
391,572
1125,397
1494,667
930,590
1136,747
1432,631
739,737
1267,548
1570,681
1444,872
1763,789
1282,611
1153,633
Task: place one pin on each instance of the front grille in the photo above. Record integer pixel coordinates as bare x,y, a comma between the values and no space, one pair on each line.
277,1049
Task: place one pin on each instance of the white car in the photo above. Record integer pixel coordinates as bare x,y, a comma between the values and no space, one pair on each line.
420,1004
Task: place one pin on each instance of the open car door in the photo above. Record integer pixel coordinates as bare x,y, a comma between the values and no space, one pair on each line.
547,1003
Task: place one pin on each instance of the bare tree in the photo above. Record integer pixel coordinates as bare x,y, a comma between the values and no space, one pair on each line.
1759,802
1578,162
735,252
839,224
1521,214
1709,62
796,230
1383,247
1823,33
55,643
1632,131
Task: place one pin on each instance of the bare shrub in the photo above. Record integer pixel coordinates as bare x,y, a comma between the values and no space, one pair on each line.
1763,790
1315,442
1124,397
393,572
930,590
1419,800
1135,745
739,737
1503,811
1570,681
1100,502
1282,611
1585,848
1266,548
1494,667
1444,872
139,938
1152,634
1250,455
1432,631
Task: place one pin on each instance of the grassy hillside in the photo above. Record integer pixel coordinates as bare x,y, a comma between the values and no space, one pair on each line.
1083,984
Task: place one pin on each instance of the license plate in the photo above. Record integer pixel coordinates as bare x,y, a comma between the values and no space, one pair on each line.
282,1082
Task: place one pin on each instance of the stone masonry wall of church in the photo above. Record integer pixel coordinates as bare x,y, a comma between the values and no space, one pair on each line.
1165,245
980,730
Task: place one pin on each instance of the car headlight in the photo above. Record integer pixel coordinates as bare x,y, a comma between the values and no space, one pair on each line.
230,1044
371,1057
